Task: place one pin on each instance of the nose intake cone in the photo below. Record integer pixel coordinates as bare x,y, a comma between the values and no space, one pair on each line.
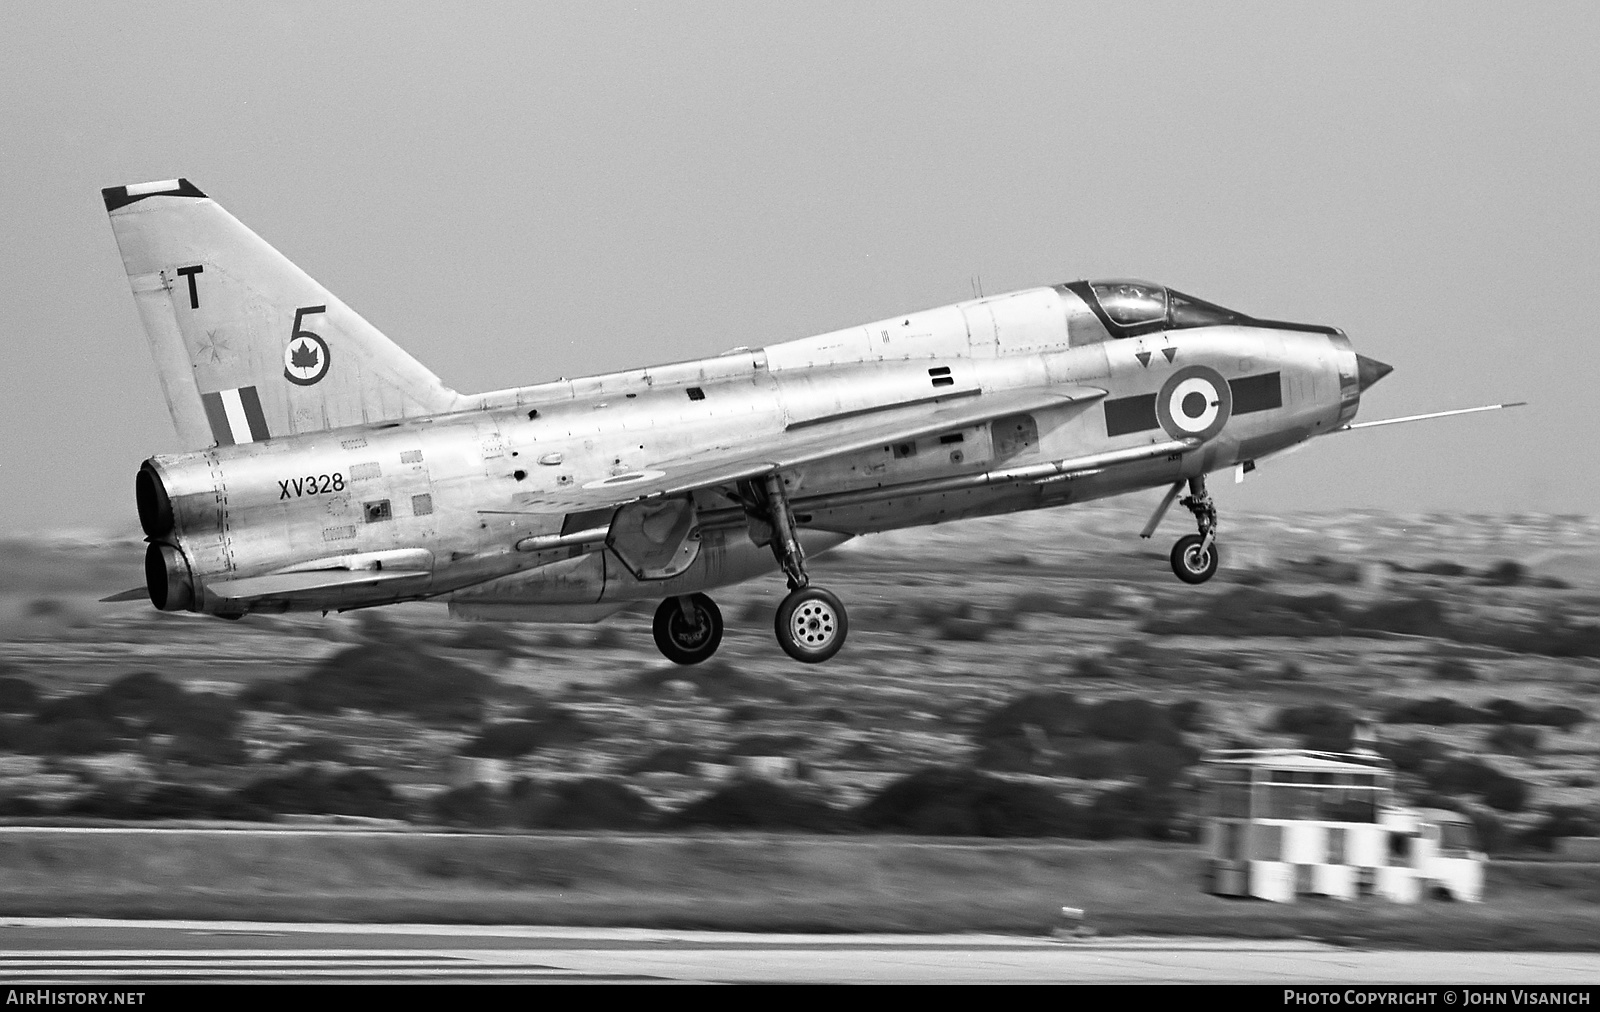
1370,371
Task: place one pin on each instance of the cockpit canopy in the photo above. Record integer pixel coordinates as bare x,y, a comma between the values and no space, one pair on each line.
1134,307
1129,308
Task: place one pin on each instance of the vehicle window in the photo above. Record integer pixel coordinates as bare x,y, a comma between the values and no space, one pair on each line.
1188,311
1129,304
1336,845
1266,842
1400,847
1457,836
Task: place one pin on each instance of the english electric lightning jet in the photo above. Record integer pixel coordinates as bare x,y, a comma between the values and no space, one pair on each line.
332,471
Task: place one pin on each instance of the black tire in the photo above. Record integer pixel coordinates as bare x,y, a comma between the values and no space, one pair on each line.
1190,563
811,625
685,642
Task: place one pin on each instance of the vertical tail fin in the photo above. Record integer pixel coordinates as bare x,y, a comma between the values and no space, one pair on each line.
247,345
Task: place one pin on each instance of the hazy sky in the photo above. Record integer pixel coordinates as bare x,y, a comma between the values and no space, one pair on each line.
516,192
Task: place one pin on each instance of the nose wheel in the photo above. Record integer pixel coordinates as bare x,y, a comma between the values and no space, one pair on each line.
1193,560
1195,556
688,629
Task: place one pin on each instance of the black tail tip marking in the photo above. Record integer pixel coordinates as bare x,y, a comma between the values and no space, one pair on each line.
122,196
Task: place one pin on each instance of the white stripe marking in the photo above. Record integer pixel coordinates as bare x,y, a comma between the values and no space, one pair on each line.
233,407
160,186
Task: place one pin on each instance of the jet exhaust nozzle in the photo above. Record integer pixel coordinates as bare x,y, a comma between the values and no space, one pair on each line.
167,578
1370,371
155,506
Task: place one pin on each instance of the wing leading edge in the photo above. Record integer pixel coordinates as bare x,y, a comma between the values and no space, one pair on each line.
801,443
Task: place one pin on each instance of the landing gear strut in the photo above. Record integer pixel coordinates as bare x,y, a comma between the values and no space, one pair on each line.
811,623
1195,556
688,629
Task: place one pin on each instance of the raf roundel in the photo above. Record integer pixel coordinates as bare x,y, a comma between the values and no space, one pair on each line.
305,359
1195,403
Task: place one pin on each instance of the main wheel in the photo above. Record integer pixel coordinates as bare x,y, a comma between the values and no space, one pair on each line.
811,625
1191,562
685,641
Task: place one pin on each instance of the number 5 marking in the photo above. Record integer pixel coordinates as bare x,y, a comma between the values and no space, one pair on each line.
305,358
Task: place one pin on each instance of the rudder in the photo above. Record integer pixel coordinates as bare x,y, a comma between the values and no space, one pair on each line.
247,345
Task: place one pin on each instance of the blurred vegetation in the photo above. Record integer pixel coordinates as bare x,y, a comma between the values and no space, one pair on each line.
768,744
313,791
589,803
165,801
1142,810
950,801
1442,710
541,725
199,728
1041,762
1460,775
716,679
18,695
308,791
668,759
1263,611
1412,755
1327,727
1454,669
1505,573
760,804
1053,733
400,678
1561,821
1321,726
317,750
489,636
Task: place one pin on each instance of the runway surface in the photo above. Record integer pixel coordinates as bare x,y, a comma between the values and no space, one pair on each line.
90,953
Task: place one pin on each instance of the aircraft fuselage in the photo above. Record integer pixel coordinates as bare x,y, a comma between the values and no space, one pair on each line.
431,502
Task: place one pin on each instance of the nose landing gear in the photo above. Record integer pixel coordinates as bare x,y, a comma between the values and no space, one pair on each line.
1195,557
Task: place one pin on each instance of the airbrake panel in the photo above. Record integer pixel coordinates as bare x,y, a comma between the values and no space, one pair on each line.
656,538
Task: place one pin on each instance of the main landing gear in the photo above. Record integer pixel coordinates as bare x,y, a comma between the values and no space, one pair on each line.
688,629
811,624
1194,557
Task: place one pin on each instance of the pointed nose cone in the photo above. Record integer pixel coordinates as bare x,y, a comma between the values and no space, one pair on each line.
1370,371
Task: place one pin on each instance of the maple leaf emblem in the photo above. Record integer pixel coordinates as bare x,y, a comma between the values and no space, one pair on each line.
304,357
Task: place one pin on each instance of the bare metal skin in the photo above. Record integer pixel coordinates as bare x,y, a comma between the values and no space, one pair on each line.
337,472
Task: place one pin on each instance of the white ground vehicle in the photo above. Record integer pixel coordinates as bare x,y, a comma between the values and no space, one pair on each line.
1282,823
